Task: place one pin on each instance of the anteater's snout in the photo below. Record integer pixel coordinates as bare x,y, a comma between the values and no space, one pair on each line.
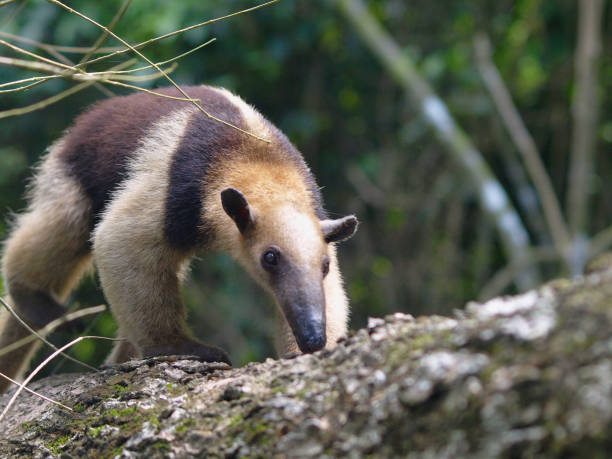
307,322
312,343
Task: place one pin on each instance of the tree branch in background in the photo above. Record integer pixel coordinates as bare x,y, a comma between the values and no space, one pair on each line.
504,277
584,109
525,144
492,196
600,242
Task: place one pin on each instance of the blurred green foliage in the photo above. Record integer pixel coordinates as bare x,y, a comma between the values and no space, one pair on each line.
423,245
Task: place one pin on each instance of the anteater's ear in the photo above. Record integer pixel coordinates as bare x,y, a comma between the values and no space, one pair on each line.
237,207
340,229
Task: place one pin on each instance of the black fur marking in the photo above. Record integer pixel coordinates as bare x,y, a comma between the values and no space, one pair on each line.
205,141
99,146
102,140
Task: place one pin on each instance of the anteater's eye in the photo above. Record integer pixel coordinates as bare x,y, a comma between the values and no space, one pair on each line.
325,267
270,258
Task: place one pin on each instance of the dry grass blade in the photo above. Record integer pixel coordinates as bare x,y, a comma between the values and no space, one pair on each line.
44,363
142,56
44,397
51,326
39,336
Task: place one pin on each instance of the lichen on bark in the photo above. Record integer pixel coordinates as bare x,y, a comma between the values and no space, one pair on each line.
516,376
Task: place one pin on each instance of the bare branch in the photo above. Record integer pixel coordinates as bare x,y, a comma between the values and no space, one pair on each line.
525,144
504,277
159,69
98,43
601,242
584,109
177,32
493,197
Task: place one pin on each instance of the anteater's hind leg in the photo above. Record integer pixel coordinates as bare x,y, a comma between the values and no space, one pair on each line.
44,257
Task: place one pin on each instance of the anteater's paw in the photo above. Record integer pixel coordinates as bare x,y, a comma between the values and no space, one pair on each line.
191,349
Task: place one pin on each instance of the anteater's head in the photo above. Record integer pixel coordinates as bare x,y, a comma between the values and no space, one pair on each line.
286,249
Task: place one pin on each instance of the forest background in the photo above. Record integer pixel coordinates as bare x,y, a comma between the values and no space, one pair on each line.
473,139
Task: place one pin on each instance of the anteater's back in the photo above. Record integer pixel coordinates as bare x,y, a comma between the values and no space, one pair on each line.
98,149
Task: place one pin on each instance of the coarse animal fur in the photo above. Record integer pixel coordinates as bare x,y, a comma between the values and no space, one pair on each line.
140,184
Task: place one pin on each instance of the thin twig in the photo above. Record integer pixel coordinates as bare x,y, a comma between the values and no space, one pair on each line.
38,335
31,65
177,32
51,100
24,88
493,198
44,397
95,76
51,326
104,35
23,385
58,48
6,2
61,58
525,144
145,67
39,58
138,88
159,69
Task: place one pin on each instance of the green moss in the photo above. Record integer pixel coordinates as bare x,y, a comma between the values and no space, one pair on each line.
186,424
119,413
155,421
79,408
161,445
120,389
57,443
29,426
236,419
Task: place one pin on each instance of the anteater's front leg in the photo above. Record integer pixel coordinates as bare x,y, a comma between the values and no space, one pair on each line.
140,276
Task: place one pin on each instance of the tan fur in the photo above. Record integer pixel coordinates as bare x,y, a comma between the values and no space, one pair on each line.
46,250
139,271
281,203
131,234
